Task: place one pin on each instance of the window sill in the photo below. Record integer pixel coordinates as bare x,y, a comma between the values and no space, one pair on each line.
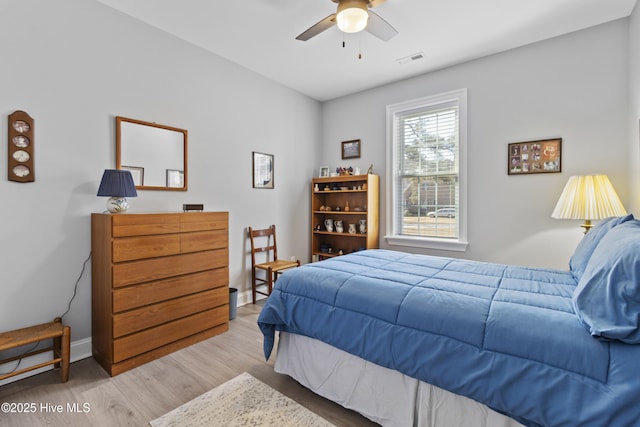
428,243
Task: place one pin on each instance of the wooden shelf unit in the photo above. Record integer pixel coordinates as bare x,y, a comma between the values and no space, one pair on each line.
361,193
159,283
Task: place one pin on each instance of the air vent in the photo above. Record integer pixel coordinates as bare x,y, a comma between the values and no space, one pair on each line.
410,58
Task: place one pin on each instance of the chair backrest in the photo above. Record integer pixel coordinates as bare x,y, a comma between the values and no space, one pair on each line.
263,241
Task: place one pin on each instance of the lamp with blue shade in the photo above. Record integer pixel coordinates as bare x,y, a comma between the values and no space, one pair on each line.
117,185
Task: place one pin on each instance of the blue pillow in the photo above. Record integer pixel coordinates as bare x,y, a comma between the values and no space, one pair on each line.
607,298
585,248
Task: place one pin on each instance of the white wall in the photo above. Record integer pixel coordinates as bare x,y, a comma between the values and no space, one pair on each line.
574,87
634,110
74,65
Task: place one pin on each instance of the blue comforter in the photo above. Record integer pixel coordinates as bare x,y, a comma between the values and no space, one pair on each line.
505,336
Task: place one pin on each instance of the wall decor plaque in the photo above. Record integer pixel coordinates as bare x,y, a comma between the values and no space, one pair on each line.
20,161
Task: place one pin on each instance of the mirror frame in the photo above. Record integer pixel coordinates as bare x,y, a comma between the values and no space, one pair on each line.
120,119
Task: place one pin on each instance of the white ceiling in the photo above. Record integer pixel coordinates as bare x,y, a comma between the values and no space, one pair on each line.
260,35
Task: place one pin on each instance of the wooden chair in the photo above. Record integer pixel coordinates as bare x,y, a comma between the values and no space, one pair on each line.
265,241
61,336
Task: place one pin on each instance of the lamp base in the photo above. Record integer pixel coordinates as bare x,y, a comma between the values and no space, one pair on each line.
117,204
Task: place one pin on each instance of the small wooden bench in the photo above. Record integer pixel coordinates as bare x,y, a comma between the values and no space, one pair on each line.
61,336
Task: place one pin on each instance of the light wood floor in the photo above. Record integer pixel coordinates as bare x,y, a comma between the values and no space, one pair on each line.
138,396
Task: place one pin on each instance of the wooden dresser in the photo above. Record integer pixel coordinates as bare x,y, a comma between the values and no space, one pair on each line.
160,282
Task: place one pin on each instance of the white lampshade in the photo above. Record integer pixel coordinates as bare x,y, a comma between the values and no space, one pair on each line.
588,197
352,15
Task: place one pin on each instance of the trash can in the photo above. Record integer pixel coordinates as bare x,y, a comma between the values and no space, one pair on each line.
233,303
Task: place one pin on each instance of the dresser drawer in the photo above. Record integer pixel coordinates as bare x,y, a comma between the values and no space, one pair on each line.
152,315
201,221
130,297
128,273
149,339
145,224
132,248
203,240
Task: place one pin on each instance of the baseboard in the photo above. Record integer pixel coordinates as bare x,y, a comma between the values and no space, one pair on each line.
244,298
80,349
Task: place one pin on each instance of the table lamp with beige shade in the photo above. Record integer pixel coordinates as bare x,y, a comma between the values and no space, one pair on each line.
588,197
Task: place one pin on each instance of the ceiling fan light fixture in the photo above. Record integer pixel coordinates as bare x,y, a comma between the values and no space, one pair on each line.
352,15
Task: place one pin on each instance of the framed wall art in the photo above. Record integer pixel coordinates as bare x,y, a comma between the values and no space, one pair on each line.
137,173
262,170
351,149
175,178
543,156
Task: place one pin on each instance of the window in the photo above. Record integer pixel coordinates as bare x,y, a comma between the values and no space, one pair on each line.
426,172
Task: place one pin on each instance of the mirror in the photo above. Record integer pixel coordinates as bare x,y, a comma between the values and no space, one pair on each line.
155,154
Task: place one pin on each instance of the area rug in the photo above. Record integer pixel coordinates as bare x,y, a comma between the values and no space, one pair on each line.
241,401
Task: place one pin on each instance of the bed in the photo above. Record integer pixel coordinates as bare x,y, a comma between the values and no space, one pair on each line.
411,339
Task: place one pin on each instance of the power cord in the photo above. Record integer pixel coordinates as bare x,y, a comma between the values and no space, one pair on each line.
75,288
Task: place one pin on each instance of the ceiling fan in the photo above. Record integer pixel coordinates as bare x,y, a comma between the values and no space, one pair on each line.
353,16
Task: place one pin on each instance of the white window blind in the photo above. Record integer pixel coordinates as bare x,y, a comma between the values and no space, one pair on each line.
426,146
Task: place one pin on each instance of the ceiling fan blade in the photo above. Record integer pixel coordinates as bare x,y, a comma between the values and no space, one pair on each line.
374,3
317,28
380,28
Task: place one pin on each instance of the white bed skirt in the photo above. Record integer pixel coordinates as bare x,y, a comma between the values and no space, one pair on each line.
382,395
